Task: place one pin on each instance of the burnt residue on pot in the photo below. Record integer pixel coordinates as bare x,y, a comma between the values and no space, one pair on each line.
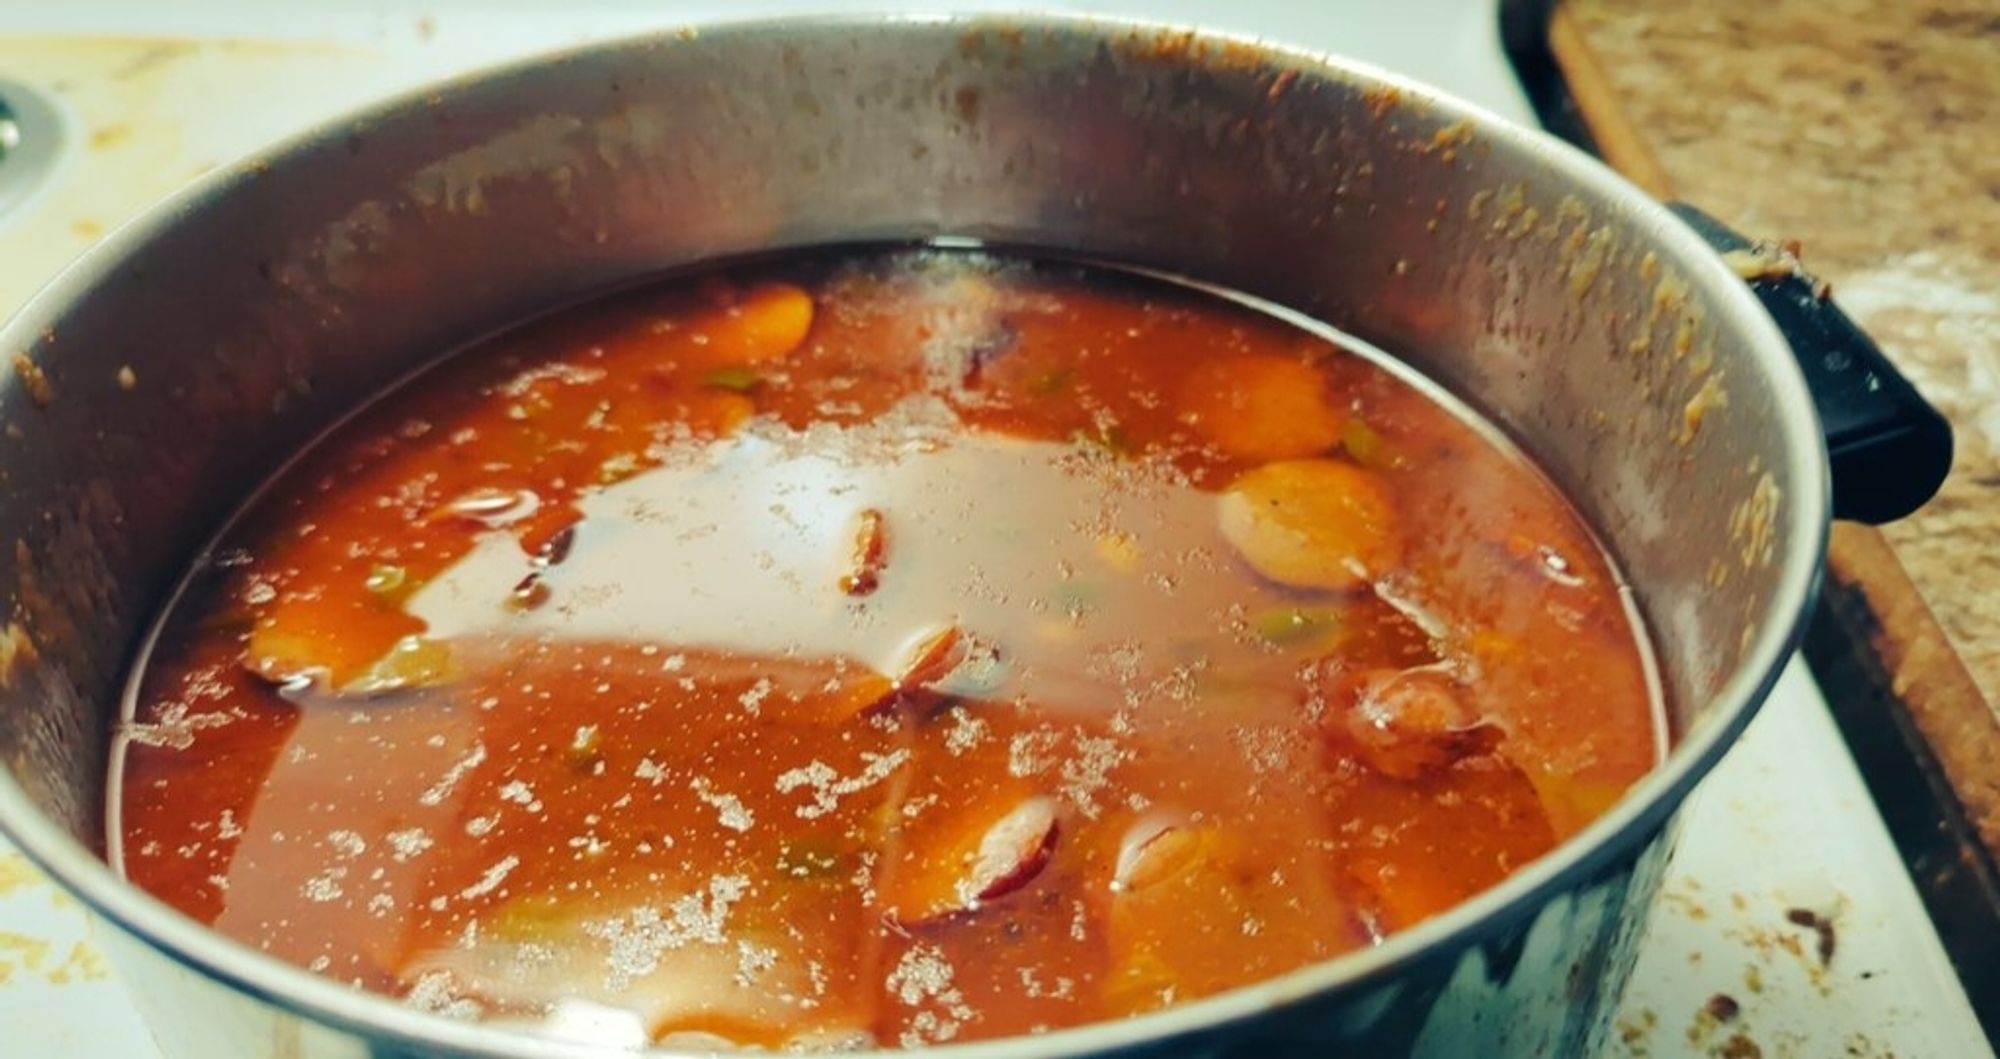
34,381
1589,255
1653,382
47,727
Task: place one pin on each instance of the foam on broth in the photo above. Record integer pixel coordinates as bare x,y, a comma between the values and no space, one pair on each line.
882,648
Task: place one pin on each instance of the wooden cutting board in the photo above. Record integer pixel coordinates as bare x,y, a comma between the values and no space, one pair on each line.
1923,734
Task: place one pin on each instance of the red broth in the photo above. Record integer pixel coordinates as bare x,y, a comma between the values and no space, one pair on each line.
878,649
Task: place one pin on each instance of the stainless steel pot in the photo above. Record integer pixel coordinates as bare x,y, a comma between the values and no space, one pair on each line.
177,364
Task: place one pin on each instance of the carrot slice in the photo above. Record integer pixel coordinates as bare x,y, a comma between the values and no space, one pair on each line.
766,323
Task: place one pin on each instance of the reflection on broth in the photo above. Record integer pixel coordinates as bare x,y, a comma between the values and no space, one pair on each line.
883,649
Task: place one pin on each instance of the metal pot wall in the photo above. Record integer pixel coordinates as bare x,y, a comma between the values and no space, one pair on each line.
260,306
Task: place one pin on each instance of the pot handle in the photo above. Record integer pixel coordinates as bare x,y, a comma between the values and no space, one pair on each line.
1889,449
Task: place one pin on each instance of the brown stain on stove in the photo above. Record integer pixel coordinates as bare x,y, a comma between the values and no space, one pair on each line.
1786,955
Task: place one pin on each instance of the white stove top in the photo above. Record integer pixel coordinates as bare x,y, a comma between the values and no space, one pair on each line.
153,94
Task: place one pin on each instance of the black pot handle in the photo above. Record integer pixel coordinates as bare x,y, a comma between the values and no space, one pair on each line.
1889,448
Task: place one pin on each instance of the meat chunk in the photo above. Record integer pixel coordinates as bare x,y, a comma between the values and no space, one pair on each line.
1407,723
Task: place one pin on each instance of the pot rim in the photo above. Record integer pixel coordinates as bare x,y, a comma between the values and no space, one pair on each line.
1638,815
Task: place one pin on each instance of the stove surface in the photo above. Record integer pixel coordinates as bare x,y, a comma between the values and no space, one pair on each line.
148,96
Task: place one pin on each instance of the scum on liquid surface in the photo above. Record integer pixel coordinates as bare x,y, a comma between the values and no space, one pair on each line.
881,649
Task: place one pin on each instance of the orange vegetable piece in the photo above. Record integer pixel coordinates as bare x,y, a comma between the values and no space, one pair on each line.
282,657
767,322
1312,524
1409,723
718,414
332,640
1262,407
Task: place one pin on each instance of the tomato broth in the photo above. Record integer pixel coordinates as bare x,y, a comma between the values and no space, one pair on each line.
878,648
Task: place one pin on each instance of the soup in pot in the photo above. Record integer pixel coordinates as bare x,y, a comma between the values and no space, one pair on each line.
880,648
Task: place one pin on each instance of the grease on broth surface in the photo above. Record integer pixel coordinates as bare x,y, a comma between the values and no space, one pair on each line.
880,649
